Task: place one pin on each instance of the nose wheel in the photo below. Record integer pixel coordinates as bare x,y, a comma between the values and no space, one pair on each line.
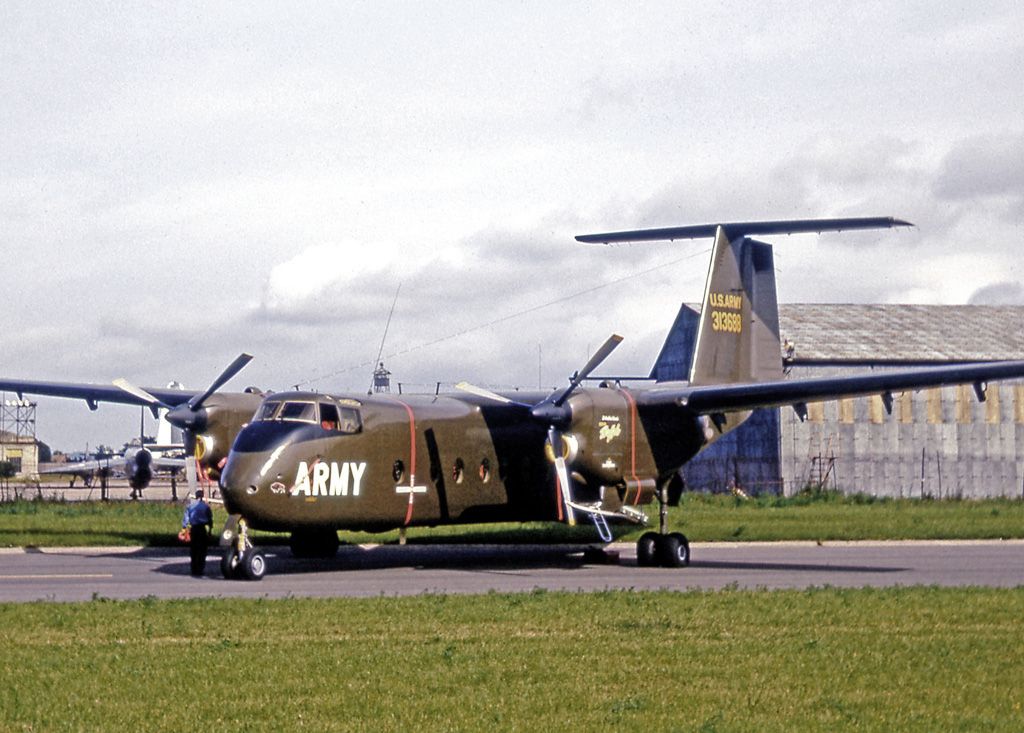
241,560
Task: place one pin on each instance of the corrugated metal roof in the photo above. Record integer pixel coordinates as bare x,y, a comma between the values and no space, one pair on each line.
880,333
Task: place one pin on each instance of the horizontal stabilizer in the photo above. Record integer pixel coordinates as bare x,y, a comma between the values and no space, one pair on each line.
738,229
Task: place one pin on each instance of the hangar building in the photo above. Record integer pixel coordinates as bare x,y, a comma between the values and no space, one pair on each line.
936,442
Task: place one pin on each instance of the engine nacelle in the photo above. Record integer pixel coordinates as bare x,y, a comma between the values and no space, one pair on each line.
138,468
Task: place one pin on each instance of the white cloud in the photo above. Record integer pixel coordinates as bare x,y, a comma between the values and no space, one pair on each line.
181,183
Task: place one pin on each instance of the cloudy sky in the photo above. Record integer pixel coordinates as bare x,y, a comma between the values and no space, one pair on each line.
180,183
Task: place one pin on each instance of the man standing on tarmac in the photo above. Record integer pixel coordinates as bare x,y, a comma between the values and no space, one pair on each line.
199,521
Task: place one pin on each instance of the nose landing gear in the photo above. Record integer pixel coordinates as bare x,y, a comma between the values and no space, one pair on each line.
241,560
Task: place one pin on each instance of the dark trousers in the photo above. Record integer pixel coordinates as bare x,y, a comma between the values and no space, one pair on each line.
197,548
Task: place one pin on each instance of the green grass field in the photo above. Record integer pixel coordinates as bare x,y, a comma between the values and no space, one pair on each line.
701,517
902,659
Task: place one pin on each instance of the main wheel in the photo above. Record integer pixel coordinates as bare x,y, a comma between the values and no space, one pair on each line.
673,550
254,565
646,549
230,563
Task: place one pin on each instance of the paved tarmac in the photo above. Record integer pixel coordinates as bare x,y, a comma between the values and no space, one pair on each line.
82,574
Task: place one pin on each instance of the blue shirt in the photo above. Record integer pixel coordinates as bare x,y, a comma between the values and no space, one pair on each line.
198,512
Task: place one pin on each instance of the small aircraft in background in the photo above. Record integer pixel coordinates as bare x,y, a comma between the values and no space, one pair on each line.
138,462
311,463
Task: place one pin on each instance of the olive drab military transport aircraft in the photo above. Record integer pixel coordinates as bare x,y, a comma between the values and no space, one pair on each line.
312,463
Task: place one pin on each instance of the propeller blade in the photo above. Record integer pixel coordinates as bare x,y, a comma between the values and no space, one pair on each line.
562,479
233,368
126,386
487,394
599,356
190,475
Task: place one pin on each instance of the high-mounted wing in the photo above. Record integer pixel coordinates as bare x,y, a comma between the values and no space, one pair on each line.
93,394
721,398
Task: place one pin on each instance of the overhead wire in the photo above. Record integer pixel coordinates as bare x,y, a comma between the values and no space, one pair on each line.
501,319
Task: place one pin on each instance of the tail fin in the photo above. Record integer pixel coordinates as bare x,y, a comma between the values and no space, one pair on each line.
738,335
166,433
164,429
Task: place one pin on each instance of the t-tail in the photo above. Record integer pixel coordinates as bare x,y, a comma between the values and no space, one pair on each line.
737,340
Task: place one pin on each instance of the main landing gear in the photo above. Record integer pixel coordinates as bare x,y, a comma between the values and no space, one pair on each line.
241,560
663,549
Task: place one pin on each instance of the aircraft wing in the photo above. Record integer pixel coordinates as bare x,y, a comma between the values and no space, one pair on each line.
736,397
162,463
83,468
93,394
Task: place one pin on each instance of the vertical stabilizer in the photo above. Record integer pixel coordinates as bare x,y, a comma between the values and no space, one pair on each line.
164,430
738,335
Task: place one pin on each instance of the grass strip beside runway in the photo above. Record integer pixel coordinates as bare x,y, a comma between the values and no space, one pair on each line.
701,517
909,659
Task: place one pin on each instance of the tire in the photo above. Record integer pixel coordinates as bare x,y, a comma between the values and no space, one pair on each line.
230,564
673,551
254,565
646,549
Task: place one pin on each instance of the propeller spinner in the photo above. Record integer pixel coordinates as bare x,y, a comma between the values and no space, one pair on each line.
191,417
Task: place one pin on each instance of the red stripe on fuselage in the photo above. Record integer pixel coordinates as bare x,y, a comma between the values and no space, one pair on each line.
632,443
412,458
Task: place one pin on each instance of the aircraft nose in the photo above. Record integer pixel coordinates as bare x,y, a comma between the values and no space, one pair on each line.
252,473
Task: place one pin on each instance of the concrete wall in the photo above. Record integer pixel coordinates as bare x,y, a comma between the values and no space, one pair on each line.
939,443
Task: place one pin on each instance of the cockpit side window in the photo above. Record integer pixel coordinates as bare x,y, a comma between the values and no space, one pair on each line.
350,420
329,419
341,419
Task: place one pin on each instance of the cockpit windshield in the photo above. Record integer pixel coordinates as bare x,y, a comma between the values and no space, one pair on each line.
327,414
301,411
267,410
